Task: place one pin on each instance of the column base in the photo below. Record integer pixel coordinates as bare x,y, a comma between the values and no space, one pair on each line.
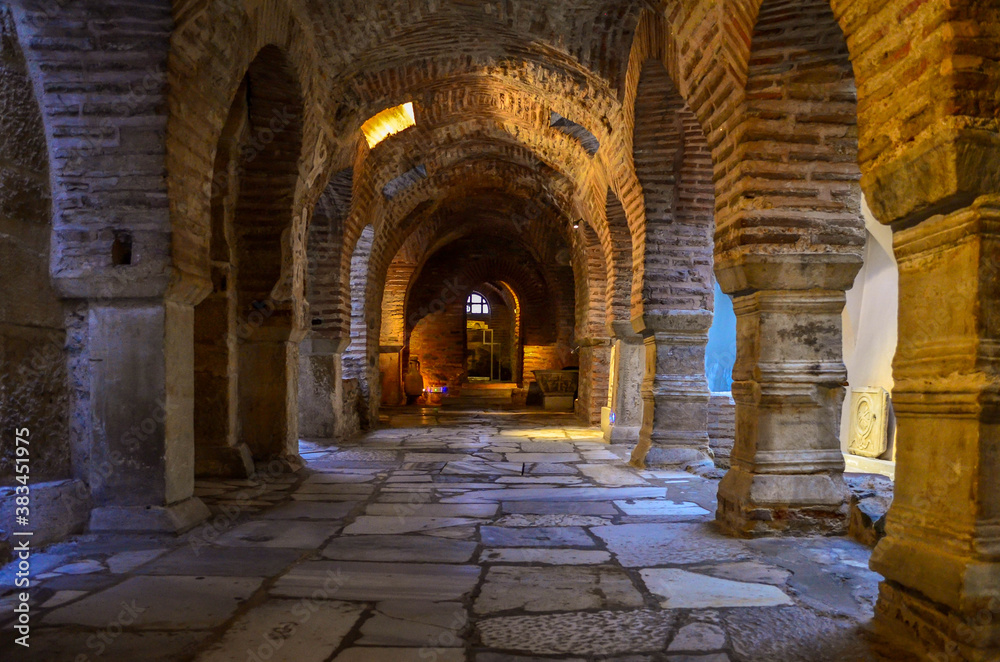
753,505
932,631
175,518
223,462
679,458
688,452
622,434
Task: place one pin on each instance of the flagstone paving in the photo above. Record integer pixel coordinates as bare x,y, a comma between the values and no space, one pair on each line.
451,537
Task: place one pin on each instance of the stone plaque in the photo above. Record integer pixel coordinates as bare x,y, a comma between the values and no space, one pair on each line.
869,421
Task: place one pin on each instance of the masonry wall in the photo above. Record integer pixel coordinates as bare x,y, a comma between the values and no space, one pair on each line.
438,342
33,379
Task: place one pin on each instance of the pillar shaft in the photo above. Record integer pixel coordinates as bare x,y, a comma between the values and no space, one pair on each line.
941,554
390,362
786,465
675,394
141,469
786,468
218,451
321,387
595,362
625,396
268,399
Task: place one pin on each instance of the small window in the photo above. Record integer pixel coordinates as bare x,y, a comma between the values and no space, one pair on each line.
476,304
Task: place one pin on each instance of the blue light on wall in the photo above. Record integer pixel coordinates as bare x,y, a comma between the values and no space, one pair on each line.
720,354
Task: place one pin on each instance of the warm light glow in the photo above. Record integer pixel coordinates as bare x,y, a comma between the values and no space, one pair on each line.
387,123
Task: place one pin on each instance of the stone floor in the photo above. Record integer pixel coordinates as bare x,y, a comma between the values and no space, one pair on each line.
447,537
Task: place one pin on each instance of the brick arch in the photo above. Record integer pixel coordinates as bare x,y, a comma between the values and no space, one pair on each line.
243,325
391,74
538,230
616,241
473,140
202,84
263,219
356,355
790,180
591,338
358,30
517,182
673,165
591,284
612,228
328,305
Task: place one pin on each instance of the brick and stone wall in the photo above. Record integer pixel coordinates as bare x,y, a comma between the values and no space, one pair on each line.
721,427
34,391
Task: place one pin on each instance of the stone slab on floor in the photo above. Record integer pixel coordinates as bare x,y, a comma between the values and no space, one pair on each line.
289,629
375,582
369,524
164,602
549,536
556,589
643,545
204,559
545,556
423,549
415,624
558,508
283,534
56,644
681,589
484,510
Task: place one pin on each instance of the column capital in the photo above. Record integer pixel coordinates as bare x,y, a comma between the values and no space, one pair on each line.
740,272
622,330
313,346
682,322
382,349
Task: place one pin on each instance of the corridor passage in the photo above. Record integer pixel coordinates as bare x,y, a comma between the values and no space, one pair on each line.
448,537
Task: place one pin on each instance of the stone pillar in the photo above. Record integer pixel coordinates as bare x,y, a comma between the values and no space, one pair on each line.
626,385
391,374
320,387
941,554
675,392
141,469
269,412
786,468
592,388
218,451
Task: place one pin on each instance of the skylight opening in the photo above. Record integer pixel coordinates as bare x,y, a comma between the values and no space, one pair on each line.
571,128
387,123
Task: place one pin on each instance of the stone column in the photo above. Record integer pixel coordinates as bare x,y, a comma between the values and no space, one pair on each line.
218,451
391,374
595,359
675,392
786,468
626,385
320,387
269,412
141,469
941,554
